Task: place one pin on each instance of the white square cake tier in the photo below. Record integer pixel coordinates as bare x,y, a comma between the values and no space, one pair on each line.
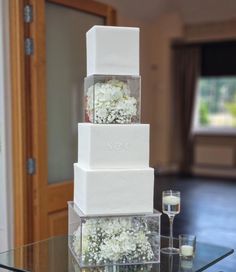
113,191
103,146
112,50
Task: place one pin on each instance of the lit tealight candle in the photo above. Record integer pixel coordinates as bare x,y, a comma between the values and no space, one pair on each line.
186,250
171,200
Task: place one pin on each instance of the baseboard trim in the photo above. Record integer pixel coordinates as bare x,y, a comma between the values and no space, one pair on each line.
214,172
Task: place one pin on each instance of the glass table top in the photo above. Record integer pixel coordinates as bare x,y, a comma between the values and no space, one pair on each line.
54,255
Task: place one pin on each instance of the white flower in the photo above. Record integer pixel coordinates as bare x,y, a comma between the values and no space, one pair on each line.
110,102
109,240
102,113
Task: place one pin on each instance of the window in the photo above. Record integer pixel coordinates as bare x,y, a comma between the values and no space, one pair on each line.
215,105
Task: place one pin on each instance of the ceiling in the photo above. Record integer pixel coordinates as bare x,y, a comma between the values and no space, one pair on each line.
192,11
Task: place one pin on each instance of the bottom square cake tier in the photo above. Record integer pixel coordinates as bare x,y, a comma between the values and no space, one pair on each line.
113,191
114,239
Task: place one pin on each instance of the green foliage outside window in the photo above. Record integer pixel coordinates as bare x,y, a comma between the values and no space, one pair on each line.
203,113
231,108
216,102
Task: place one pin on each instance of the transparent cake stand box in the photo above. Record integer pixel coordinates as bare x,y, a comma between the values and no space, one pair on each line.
104,240
73,266
112,99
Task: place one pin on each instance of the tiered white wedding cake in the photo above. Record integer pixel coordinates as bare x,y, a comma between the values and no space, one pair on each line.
112,175
112,220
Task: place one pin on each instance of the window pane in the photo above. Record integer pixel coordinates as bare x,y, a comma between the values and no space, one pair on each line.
216,103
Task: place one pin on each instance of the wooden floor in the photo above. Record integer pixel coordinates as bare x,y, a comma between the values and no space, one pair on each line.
208,209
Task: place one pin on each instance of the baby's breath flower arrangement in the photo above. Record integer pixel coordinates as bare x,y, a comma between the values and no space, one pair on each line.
112,268
113,240
110,102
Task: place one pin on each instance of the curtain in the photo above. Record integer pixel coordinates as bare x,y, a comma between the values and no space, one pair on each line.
186,72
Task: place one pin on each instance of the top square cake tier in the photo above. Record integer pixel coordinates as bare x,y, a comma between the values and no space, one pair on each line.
112,51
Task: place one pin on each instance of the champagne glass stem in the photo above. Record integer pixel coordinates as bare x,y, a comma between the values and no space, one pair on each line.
171,219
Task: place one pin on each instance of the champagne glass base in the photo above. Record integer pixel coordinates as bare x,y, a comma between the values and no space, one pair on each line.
170,250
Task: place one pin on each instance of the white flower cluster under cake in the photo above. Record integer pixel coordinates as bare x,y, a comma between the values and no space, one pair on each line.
120,240
110,102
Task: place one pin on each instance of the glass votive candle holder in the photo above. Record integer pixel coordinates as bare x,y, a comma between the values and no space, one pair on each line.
187,246
185,265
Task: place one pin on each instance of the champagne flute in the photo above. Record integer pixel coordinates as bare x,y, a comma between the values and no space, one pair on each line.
171,207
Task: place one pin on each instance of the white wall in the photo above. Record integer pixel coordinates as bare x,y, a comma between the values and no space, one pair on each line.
6,207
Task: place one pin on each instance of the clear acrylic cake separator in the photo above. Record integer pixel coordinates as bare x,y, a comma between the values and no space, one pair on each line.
121,239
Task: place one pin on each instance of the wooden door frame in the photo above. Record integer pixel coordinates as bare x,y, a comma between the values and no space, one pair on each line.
19,123
29,117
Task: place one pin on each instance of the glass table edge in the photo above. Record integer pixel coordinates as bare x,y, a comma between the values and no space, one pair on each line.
231,251
11,268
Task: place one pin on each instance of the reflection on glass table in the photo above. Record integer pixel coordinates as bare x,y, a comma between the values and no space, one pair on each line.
53,255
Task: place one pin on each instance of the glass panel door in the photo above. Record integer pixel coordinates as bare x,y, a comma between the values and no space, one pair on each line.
65,71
